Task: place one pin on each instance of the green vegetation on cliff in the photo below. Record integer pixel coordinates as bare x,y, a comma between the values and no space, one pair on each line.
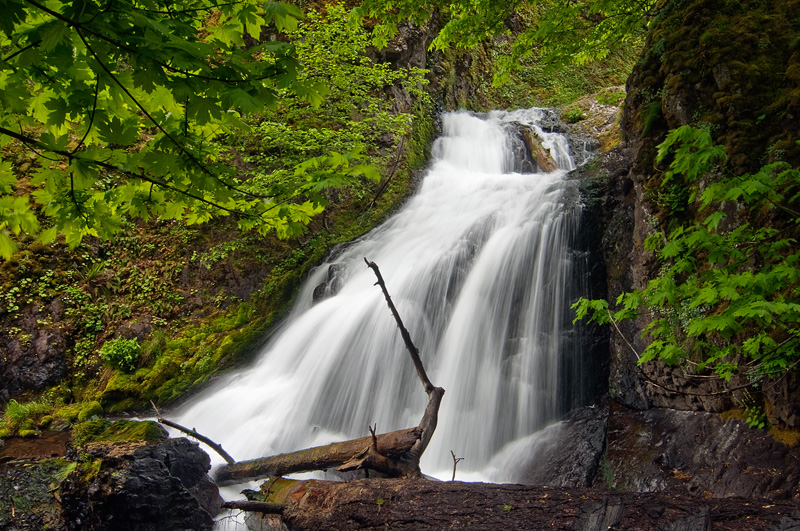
726,294
711,108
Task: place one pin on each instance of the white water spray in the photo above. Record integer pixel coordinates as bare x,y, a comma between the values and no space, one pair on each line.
478,265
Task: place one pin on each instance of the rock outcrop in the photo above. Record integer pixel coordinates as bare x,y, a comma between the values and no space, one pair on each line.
105,486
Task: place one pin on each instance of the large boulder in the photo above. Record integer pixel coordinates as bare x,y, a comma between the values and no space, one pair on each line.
141,487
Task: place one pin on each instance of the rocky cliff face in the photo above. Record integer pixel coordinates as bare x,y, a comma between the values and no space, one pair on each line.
732,66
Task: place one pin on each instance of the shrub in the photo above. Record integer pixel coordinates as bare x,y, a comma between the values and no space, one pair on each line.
122,354
573,115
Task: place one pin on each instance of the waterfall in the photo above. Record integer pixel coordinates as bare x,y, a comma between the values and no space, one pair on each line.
480,267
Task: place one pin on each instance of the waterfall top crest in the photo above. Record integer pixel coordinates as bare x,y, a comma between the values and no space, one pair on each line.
492,143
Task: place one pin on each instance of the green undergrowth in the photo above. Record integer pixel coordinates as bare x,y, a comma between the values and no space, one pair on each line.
28,419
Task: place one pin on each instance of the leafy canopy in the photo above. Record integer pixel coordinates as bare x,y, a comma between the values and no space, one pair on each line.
116,106
728,291
293,142
565,31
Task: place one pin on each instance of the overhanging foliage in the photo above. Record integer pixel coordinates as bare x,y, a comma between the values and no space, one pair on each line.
116,106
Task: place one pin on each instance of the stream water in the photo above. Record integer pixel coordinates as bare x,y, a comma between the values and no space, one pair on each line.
480,267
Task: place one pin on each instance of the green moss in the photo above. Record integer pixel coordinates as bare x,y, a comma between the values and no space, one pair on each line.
653,117
69,413
92,409
88,431
118,431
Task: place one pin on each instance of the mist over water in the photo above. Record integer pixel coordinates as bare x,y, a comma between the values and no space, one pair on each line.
479,265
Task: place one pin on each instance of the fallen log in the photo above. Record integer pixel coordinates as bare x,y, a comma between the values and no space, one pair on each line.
421,504
391,445
538,151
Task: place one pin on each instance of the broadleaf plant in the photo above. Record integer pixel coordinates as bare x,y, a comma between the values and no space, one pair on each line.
727,297
114,110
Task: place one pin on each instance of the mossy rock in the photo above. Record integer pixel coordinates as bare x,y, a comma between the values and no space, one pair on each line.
69,413
92,409
117,431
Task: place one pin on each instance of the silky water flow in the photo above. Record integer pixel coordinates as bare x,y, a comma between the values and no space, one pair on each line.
480,267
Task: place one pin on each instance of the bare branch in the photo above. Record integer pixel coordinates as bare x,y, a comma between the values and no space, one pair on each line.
456,460
254,506
193,433
412,350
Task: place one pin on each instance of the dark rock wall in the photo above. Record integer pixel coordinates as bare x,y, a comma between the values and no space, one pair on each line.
142,487
696,453
730,65
131,486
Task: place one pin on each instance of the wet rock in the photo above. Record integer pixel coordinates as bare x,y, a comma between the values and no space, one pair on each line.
570,453
33,362
27,499
331,286
697,453
783,400
143,487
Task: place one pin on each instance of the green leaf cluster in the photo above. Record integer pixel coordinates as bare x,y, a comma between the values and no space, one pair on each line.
120,105
121,354
300,151
728,294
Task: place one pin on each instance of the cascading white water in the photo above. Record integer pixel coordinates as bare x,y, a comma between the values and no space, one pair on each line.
478,265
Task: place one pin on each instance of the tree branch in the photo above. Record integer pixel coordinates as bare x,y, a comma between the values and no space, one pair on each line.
412,350
193,433
435,394
254,506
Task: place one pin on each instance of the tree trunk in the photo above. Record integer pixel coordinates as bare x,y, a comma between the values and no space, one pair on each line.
421,504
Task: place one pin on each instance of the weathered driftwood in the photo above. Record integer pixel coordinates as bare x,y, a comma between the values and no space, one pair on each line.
395,454
391,445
